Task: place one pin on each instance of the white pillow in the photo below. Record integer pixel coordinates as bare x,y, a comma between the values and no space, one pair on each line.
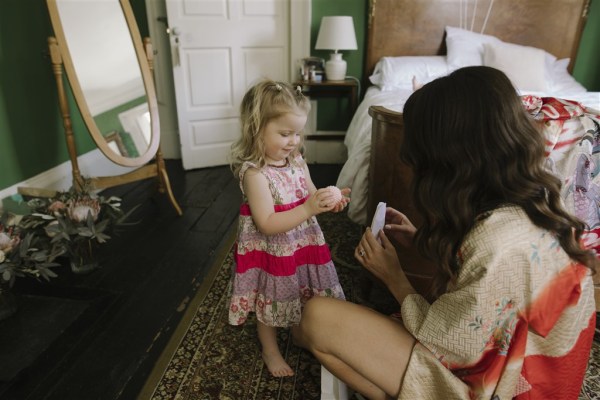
560,80
392,73
465,48
525,66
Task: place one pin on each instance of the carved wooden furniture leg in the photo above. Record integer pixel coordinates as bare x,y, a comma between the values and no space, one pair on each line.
64,110
164,183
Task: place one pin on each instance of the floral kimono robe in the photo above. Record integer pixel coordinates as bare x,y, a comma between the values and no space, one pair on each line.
517,323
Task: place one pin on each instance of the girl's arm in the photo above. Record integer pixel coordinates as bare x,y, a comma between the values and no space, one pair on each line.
309,183
261,203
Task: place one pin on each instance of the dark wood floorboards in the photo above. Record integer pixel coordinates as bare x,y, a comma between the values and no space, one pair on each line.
97,336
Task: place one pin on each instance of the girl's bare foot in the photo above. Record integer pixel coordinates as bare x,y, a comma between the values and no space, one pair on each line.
276,364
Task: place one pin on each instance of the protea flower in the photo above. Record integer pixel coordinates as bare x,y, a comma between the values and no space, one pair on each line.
78,209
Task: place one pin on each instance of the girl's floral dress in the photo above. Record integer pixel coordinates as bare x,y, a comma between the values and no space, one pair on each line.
518,322
275,275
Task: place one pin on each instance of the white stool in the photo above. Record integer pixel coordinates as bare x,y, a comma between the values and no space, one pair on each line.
331,387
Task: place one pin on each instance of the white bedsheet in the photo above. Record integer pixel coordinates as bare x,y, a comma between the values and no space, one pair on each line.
355,172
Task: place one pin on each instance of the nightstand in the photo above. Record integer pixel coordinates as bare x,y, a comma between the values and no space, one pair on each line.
347,88
328,146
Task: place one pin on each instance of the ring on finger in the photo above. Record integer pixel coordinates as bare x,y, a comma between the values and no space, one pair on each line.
361,252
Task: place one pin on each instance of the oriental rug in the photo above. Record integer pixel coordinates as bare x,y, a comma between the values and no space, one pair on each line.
208,359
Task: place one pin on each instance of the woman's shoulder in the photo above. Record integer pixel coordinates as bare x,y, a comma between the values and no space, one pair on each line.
506,216
507,236
506,227
504,243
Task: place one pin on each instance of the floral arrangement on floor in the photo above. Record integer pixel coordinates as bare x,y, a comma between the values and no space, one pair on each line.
78,222
71,224
23,253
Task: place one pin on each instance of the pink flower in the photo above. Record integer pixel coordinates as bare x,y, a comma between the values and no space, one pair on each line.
299,194
8,241
56,207
306,293
234,308
303,183
5,241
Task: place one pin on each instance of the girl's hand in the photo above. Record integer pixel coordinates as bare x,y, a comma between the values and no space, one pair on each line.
382,261
343,202
399,227
319,202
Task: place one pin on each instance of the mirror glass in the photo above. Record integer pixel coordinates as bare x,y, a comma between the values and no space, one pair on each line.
109,75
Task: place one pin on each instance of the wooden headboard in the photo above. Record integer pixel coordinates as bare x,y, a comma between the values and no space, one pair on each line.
416,27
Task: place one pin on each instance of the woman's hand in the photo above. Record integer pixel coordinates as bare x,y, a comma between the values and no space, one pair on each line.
382,261
399,227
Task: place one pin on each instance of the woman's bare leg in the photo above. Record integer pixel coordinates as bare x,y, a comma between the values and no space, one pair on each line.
367,350
270,351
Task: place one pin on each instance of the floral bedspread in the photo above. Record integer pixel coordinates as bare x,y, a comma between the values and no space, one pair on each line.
572,134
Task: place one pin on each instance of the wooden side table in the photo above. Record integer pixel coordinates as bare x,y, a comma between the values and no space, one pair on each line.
347,87
334,89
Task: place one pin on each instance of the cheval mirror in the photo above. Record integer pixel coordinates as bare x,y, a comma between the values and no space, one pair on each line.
109,70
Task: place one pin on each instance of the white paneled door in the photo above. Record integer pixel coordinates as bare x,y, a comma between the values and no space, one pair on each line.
219,48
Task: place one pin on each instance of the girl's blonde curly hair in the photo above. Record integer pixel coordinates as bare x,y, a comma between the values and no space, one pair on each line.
262,103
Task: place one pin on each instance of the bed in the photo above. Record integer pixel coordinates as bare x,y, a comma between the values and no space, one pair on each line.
534,41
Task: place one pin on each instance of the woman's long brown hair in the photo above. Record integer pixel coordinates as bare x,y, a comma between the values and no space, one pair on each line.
473,148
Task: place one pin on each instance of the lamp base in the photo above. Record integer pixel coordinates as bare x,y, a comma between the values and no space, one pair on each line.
335,68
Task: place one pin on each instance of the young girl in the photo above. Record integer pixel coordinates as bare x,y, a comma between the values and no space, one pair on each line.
282,259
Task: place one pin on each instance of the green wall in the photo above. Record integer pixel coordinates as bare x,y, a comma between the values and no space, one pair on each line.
587,65
332,114
31,132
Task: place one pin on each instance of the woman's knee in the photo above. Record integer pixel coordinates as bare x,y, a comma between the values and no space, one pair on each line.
314,316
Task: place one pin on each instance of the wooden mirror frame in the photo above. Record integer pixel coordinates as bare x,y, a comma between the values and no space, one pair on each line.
60,56
78,94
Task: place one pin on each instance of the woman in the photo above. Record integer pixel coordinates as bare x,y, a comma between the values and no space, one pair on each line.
514,313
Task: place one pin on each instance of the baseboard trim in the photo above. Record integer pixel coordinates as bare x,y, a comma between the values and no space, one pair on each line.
92,163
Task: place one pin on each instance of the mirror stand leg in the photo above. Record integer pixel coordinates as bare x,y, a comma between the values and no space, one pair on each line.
165,181
56,59
164,185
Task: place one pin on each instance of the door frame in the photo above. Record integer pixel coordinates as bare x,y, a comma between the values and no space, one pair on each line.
299,33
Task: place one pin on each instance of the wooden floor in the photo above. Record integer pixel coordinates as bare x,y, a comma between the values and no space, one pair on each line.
97,336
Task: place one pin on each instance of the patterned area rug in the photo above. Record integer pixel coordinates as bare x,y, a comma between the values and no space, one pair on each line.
209,359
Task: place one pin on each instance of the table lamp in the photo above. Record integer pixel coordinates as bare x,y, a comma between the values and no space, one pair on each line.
336,33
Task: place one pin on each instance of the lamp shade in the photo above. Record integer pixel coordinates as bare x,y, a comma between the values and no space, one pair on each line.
336,33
